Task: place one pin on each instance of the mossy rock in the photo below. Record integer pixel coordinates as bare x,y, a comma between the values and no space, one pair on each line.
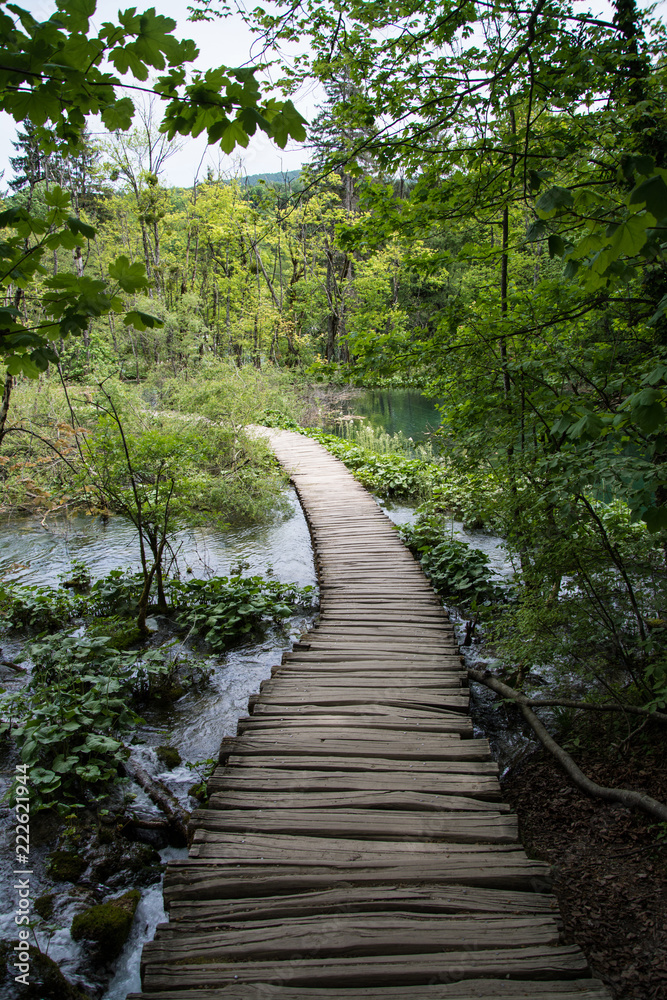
45,980
44,905
122,633
121,862
169,756
66,866
108,925
199,791
166,690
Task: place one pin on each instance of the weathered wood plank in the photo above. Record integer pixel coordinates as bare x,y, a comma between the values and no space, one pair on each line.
363,899
299,851
462,827
349,935
332,697
250,798
365,764
207,878
445,722
474,785
479,989
520,963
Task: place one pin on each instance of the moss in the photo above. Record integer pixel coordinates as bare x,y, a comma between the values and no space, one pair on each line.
199,791
166,690
121,859
107,924
65,866
121,632
106,835
45,982
44,906
169,756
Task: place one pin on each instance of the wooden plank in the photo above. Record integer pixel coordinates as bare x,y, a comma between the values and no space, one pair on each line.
479,786
363,899
349,935
250,798
411,660
463,827
337,699
340,727
423,714
339,852
444,749
478,989
520,963
392,672
444,722
362,763
206,878
306,680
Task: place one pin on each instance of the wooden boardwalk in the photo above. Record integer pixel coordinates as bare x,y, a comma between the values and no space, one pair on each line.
355,845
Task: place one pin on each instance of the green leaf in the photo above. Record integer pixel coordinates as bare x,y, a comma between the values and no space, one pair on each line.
81,228
130,277
141,320
55,197
653,193
555,198
118,115
556,246
628,238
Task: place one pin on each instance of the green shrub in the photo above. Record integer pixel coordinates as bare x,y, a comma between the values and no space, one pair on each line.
456,570
223,609
67,721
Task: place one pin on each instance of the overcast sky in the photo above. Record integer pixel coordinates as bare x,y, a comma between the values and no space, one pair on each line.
220,42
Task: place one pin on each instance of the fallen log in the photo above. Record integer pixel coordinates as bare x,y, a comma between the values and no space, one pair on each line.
166,801
626,796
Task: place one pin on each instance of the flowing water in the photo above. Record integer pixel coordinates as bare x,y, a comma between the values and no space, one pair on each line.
43,553
32,552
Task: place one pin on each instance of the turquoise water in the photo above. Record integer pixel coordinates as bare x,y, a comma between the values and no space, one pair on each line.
394,410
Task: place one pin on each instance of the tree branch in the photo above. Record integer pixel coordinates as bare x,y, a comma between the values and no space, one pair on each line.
626,796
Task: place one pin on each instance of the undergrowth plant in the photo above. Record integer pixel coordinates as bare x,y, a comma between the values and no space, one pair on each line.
223,609
456,570
69,720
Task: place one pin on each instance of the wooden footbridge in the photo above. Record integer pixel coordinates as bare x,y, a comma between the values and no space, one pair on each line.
355,845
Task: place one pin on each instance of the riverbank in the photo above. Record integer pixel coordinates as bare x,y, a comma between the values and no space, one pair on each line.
609,864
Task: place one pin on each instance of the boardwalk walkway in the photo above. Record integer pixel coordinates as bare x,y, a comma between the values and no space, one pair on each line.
355,845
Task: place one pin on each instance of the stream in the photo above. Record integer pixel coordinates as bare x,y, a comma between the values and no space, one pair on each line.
36,553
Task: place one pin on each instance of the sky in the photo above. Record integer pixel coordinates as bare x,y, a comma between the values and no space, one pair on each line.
221,42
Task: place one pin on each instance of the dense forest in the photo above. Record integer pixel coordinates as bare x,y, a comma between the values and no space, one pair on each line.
482,218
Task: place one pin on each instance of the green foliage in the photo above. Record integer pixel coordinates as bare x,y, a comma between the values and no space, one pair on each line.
57,74
223,609
69,720
456,570
39,608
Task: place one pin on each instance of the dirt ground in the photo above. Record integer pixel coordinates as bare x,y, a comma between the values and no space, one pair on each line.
609,864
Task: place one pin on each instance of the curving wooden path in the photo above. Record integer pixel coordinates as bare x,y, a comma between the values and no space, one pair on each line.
355,845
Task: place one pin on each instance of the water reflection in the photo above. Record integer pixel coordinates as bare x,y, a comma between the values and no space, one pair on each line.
394,410
41,553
